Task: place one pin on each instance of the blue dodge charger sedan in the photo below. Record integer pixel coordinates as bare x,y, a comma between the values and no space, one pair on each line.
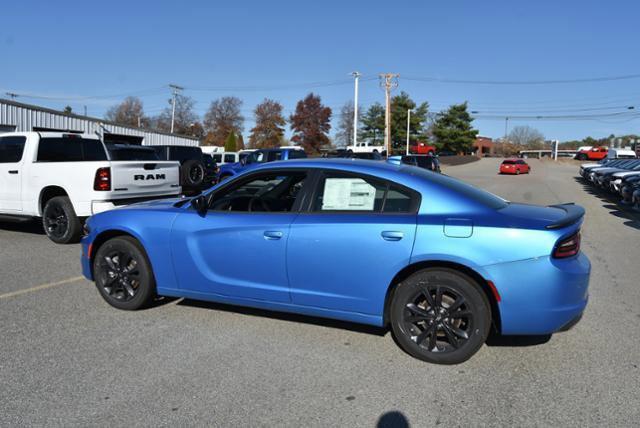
438,261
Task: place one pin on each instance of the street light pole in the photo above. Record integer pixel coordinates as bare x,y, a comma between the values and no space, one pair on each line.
356,75
408,128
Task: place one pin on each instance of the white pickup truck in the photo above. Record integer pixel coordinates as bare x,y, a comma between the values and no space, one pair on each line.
366,147
65,177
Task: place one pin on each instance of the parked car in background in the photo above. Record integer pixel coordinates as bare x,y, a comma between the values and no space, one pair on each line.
222,158
259,157
621,154
430,163
421,148
627,187
192,169
586,168
63,178
514,166
365,155
356,241
594,153
366,147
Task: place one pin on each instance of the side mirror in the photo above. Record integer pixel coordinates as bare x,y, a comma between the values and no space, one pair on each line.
199,203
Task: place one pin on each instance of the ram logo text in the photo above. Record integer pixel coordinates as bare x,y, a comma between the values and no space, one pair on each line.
149,177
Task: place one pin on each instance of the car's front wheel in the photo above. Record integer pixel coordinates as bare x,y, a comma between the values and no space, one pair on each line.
440,316
123,274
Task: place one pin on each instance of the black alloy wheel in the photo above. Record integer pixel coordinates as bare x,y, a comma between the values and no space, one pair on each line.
55,221
60,222
123,275
440,315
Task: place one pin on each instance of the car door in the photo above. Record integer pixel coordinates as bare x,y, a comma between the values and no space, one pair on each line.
11,154
238,248
346,247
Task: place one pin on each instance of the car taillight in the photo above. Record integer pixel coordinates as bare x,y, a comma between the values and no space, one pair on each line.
567,247
102,181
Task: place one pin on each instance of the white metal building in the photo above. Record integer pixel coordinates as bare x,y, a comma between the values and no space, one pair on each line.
19,117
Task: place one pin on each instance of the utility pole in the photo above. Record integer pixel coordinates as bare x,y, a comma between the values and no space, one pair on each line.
408,128
175,88
85,111
356,75
506,125
389,81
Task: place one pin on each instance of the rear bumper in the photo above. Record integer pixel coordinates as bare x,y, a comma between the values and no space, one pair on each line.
541,296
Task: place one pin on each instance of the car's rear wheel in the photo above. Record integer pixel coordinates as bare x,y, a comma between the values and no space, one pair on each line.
440,316
123,274
60,222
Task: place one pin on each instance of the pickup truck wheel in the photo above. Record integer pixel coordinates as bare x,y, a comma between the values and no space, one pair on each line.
60,222
581,156
192,173
440,316
123,274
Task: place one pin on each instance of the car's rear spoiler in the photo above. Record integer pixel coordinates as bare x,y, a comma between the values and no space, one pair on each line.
574,213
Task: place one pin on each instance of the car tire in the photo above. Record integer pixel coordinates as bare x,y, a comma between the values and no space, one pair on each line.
192,173
517,172
428,328
60,222
581,156
123,274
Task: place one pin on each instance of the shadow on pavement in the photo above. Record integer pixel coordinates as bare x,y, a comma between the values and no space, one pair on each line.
517,341
612,203
393,419
284,316
26,226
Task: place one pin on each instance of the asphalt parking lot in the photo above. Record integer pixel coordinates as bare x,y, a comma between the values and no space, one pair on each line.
67,358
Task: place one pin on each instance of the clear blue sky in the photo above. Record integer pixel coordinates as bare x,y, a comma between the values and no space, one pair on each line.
72,49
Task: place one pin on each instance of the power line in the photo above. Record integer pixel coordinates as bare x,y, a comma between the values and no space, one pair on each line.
521,82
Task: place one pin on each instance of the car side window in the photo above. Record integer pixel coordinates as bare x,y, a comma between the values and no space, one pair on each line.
268,192
229,158
11,149
338,192
274,156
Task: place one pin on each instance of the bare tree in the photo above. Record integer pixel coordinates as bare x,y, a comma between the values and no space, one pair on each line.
527,137
129,112
344,134
185,117
223,118
269,129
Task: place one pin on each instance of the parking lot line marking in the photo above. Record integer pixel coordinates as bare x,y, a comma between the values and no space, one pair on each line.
40,287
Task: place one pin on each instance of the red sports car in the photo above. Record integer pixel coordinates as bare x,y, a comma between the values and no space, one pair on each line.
514,166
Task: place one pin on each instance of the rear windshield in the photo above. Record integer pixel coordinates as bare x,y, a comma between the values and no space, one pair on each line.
482,196
508,162
132,153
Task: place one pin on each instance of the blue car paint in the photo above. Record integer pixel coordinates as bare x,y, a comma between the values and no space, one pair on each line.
339,266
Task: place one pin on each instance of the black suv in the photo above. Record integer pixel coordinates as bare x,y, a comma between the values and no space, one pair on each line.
423,161
193,172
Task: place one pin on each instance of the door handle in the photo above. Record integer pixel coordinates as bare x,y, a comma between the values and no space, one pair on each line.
13,171
390,235
272,235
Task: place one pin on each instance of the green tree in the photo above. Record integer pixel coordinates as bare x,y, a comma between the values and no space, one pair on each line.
373,124
311,124
400,104
240,144
67,110
453,131
231,144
